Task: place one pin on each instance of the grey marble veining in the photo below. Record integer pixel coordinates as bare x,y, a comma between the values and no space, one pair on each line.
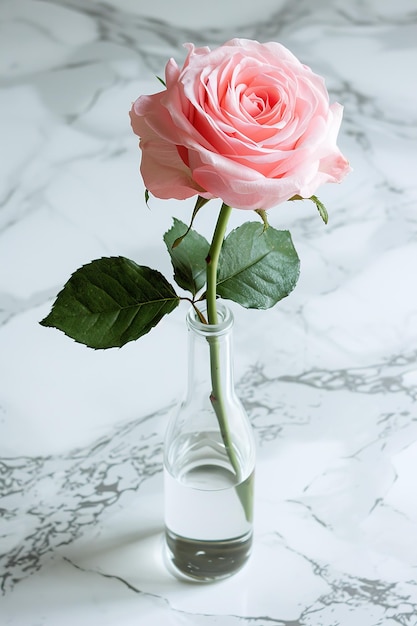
329,377
48,501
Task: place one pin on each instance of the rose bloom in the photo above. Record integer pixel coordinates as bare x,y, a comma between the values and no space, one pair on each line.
246,122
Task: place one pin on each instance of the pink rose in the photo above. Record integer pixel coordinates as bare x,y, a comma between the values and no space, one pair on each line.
246,122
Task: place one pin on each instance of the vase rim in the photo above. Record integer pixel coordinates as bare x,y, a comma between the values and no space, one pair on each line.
224,325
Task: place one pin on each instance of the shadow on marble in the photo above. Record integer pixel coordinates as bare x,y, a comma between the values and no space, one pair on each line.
136,560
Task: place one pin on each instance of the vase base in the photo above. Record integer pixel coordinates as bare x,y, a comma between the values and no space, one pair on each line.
206,561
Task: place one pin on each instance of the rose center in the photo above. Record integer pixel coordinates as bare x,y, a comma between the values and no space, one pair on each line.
257,103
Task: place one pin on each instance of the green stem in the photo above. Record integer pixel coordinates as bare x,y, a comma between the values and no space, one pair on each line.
211,295
213,262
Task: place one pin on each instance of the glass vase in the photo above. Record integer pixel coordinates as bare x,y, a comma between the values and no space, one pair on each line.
209,461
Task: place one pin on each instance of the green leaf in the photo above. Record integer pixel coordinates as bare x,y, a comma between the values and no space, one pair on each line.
161,80
110,302
257,267
189,258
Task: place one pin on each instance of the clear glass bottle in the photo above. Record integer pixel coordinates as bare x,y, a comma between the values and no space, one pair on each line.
209,461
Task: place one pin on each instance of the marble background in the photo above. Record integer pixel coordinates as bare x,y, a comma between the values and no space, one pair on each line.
329,377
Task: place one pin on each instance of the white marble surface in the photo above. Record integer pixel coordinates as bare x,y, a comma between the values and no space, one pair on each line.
329,377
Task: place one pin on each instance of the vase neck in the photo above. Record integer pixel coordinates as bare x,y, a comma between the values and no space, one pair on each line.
202,340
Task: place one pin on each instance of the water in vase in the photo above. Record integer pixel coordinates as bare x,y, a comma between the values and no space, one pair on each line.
208,527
